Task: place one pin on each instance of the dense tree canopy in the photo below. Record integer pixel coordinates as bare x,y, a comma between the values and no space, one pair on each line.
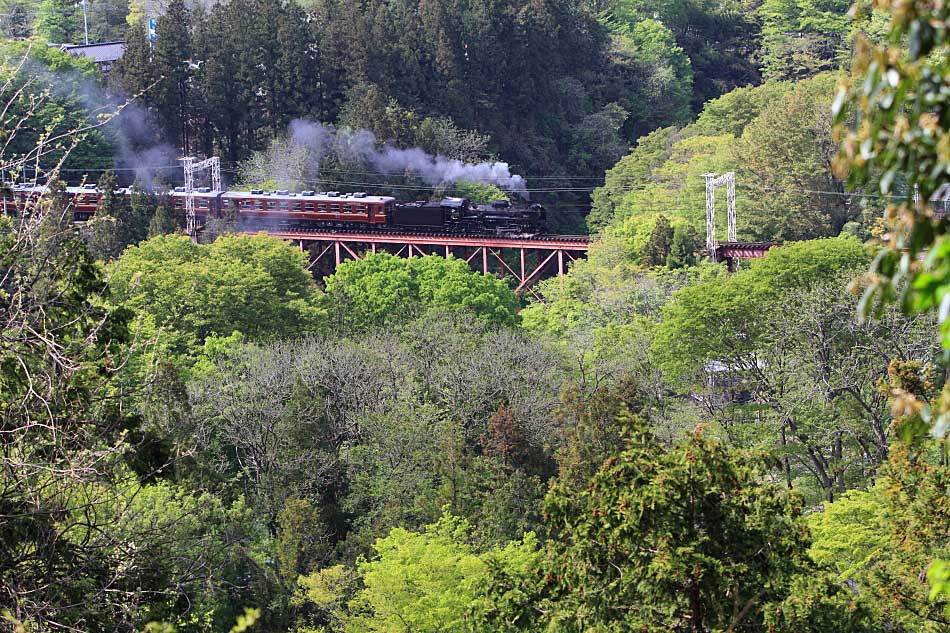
651,442
59,101
775,137
622,557
382,288
256,285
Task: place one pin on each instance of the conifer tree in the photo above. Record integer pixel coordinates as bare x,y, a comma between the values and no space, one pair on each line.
162,222
142,207
57,21
107,19
111,229
683,247
657,248
134,71
17,23
173,63
689,539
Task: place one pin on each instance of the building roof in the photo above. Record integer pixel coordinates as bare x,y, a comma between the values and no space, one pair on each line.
103,53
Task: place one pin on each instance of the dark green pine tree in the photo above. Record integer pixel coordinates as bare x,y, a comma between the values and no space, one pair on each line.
142,205
17,23
134,71
298,83
58,21
111,229
205,40
264,52
683,249
107,19
657,248
174,64
162,222
228,80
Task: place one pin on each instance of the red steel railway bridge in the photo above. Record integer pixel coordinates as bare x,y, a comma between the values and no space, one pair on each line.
526,259
731,252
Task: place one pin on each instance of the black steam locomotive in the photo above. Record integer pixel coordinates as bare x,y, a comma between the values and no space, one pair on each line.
458,215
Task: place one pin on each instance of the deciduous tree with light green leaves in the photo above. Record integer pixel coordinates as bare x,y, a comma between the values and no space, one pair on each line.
257,285
810,375
775,137
382,288
428,582
801,38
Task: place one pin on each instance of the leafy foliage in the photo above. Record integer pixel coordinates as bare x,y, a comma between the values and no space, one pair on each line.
382,288
253,284
740,336
58,100
775,137
801,39
622,556
898,135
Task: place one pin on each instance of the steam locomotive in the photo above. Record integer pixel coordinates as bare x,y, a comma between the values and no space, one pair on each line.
309,210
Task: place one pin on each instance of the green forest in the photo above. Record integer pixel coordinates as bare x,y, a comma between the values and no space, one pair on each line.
208,436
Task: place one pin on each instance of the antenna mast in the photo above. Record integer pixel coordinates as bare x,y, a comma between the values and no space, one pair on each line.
191,167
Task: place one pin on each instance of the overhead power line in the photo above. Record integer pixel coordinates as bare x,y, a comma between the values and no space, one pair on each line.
550,189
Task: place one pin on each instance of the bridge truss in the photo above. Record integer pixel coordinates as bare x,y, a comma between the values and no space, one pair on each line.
527,260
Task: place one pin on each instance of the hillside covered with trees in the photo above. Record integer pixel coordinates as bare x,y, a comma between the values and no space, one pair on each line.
208,435
559,90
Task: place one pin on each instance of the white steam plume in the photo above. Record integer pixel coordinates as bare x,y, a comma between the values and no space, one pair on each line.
361,146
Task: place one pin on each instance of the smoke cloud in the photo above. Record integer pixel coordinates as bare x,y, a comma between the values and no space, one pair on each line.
139,150
363,148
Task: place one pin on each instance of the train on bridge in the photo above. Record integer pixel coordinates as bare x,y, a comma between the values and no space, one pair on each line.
283,210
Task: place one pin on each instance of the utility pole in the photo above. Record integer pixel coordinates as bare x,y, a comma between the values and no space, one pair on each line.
191,167
85,22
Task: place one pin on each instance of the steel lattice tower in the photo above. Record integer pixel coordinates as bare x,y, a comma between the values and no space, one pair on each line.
191,167
713,181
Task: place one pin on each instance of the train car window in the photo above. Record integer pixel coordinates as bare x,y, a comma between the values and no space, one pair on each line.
334,207
321,207
308,206
362,208
92,199
284,205
347,208
258,204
